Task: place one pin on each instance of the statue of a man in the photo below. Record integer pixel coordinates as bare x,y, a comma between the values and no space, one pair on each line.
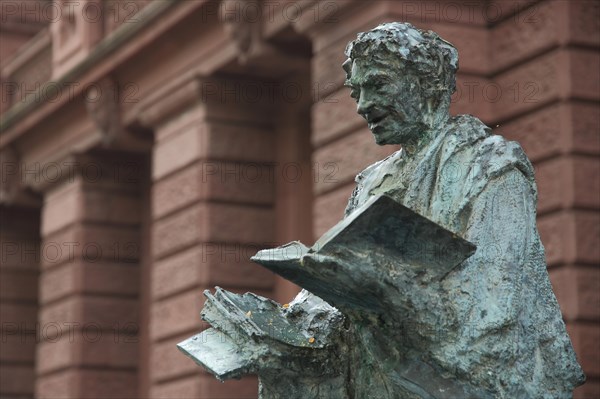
491,327
504,330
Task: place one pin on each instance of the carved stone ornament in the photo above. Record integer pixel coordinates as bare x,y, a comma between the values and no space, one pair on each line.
10,166
242,21
14,189
434,285
102,103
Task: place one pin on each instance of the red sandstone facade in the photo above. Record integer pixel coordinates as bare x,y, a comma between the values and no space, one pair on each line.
148,148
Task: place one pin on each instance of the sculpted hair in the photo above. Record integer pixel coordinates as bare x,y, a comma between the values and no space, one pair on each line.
434,59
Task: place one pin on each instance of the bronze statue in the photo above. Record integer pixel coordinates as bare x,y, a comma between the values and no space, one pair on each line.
435,283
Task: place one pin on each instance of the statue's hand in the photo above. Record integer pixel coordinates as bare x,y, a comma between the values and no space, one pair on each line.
252,334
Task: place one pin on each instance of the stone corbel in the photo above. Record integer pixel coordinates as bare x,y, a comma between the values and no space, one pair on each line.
13,190
102,103
243,23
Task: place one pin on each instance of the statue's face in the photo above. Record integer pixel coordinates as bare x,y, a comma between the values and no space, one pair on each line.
390,100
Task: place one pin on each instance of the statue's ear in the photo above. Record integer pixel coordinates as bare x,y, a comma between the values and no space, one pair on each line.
347,65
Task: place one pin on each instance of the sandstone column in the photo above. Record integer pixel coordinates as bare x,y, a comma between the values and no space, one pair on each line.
89,280
212,208
548,103
19,268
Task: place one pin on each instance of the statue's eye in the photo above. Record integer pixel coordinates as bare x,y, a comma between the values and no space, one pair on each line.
380,86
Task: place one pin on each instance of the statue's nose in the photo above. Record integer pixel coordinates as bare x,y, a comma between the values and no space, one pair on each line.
365,104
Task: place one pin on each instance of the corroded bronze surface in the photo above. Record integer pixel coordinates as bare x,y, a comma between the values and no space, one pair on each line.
406,307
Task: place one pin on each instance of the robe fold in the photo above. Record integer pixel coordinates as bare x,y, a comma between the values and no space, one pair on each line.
494,321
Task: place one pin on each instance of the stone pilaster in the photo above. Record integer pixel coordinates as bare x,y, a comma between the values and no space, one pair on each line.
212,208
19,268
89,282
544,56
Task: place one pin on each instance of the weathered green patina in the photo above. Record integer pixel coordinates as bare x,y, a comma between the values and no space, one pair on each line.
435,284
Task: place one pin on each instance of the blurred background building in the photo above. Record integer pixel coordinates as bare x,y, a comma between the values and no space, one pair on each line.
148,148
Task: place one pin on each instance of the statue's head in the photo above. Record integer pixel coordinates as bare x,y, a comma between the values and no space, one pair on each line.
402,78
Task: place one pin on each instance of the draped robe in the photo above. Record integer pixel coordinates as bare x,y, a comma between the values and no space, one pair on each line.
493,322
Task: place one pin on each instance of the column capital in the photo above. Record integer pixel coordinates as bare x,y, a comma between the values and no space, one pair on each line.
13,189
102,104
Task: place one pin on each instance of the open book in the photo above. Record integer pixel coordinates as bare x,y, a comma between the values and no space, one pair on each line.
251,332
380,243
363,262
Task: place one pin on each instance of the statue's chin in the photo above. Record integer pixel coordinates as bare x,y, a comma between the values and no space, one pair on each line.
398,135
382,140
385,138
